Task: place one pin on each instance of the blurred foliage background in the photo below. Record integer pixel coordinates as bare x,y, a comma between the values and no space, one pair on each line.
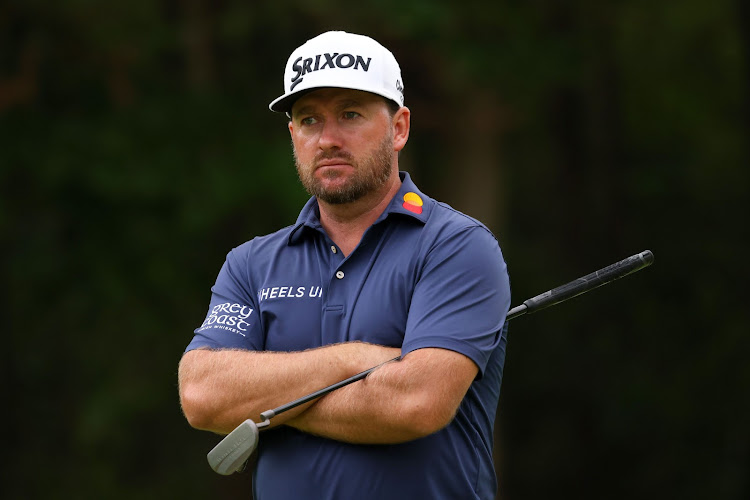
136,149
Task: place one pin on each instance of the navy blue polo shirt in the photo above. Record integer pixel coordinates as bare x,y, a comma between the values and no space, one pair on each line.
424,275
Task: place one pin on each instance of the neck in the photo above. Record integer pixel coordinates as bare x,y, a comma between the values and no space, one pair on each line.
345,224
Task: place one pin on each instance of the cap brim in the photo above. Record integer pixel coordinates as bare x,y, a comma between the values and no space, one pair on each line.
284,103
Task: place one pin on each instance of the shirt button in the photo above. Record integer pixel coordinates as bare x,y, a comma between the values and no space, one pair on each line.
340,274
333,249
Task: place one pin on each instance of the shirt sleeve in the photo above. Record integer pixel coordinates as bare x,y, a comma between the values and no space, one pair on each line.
461,298
232,321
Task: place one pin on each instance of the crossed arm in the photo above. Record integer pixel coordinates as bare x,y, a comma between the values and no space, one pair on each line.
398,402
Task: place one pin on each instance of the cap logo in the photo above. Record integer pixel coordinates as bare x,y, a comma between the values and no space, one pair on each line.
303,66
348,59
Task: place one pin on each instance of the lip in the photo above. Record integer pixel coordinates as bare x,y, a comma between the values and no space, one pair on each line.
333,163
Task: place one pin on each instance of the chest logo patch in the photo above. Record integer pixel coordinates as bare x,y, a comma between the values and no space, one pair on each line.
412,202
289,292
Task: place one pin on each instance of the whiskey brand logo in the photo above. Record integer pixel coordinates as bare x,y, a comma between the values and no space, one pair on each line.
228,316
302,66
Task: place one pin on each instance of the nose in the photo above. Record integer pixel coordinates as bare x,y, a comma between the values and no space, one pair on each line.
330,136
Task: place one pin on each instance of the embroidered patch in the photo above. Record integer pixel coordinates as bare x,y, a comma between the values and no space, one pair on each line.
413,203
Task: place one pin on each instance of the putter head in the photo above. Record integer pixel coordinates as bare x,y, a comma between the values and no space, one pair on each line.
230,455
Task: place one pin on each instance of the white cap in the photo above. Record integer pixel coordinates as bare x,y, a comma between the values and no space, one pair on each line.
341,60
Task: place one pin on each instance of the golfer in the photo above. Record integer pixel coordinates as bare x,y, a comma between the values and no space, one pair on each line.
372,269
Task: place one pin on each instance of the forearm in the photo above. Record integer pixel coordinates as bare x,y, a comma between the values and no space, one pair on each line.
398,402
221,388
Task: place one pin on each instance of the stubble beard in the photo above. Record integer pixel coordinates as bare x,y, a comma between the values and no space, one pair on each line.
370,174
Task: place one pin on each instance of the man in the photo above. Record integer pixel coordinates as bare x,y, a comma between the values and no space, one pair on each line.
372,269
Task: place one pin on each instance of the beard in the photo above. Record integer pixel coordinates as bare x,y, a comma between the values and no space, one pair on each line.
370,174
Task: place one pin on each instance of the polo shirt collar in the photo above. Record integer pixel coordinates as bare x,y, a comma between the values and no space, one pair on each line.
409,201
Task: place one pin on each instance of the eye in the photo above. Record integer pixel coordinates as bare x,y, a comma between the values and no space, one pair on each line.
308,120
350,115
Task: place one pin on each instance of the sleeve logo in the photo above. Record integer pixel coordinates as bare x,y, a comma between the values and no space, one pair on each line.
228,316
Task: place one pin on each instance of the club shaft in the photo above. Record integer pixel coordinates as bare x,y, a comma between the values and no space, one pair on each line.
555,296
266,415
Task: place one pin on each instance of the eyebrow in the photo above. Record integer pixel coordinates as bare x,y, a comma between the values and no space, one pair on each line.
349,103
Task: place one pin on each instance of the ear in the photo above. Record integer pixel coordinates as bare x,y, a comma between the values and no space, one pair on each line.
401,125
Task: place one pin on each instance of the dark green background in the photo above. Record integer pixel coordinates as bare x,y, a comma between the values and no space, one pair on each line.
136,149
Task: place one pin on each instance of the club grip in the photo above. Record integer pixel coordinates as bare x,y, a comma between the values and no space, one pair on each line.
590,281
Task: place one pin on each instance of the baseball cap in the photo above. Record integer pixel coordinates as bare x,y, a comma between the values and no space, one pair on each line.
341,60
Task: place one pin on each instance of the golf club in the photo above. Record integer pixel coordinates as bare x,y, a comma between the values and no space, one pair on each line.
233,451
